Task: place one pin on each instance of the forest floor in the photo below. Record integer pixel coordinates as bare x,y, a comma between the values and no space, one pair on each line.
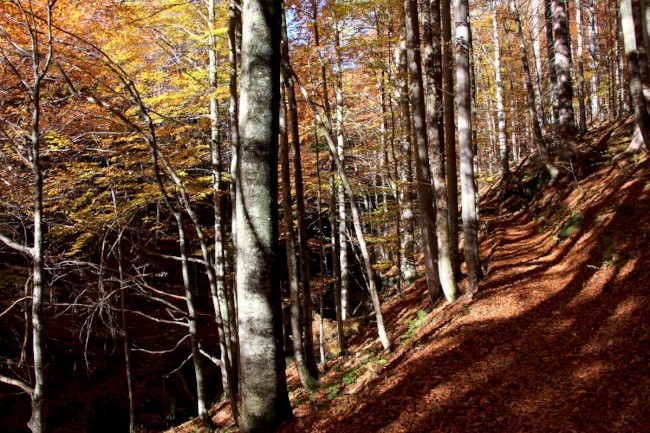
556,339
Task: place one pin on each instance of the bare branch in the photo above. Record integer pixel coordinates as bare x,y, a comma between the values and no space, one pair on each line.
17,382
16,302
15,245
161,352
216,361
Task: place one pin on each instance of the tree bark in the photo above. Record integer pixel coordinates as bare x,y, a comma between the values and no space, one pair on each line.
540,143
582,124
550,48
445,267
264,396
468,185
537,52
423,178
450,132
594,56
409,273
631,23
356,217
303,245
567,147
226,322
501,112
340,144
308,382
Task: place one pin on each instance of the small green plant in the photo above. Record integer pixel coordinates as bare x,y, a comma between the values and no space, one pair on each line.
609,255
413,327
571,226
332,392
611,261
351,377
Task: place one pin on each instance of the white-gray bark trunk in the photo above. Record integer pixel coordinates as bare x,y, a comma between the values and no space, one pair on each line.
263,388
467,181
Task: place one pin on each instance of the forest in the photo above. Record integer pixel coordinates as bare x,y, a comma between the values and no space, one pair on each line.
324,216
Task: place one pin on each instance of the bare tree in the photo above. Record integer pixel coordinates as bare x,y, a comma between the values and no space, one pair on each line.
39,54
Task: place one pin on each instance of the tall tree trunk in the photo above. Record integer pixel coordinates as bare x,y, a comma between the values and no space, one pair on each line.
409,273
308,382
567,147
501,112
425,196
445,267
631,27
550,48
264,396
450,132
620,81
227,321
594,61
190,300
356,217
126,345
340,142
436,44
234,21
542,149
300,207
37,422
537,52
582,124
467,181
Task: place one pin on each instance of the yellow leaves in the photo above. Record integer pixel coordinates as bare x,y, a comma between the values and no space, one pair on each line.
79,244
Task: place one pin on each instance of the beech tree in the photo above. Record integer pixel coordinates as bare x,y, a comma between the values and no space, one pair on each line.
635,53
38,55
264,397
468,186
501,114
425,196
567,146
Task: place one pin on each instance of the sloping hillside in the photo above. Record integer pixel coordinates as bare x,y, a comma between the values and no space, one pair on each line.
556,339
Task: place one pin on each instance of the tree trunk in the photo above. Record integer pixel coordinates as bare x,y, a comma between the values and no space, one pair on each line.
501,112
445,267
567,147
308,382
631,23
37,422
537,52
409,273
582,124
436,44
542,149
450,132
356,217
468,185
191,322
594,56
126,345
234,18
550,48
264,397
300,207
425,196
226,322
340,140
620,81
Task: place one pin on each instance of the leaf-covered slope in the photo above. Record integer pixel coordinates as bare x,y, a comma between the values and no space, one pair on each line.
556,338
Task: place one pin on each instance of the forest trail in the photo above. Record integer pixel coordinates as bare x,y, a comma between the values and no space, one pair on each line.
557,338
